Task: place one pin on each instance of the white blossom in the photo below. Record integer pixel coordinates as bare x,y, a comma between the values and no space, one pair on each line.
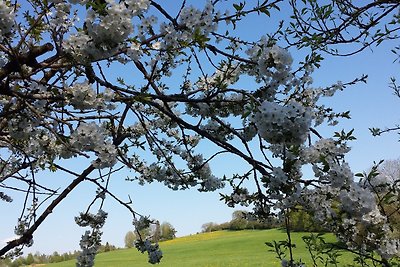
91,137
7,17
288,124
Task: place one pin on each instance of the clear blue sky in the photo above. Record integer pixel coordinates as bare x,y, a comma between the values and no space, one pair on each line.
371,105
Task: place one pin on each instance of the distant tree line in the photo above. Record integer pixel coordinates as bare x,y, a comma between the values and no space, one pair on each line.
300,221
154,233
38,258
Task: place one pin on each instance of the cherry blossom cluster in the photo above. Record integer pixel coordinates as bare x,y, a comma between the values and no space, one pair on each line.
105,32
201,22
61,19
153,250
287,124
143,244
92,137
344,206
273,63
357,221
225,75
194,24
90,240
7,20
84,97
89,246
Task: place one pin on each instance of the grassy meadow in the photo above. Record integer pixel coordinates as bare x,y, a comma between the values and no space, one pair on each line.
216,249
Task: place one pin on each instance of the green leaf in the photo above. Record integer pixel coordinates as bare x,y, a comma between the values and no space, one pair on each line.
238,7
269,244
265,11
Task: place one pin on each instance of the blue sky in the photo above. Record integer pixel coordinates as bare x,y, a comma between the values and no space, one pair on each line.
371,105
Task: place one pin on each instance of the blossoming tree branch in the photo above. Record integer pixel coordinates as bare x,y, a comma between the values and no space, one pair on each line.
133,84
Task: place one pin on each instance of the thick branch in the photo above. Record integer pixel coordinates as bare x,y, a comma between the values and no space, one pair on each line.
28,59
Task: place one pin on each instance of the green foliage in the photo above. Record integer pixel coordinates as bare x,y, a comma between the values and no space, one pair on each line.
167,231
107,248
99,6
208,227
241,222
37,26
129,240
302,221
239,7
345,136
322,253
29,259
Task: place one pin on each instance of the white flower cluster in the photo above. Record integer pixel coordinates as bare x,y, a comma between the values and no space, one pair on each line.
39,143
21,227
209,181
223,76
134,52
198,172
84,97
91,240
339,175
249,132
288,124
273,63
92,137
327,148
357,220
111,29
202,171
89,246
277,179
374,217
137,6
357,200
105,33
153,172
323,156
95,221
389,248
198,24
142,223
240,196
153,250
21,127
345,207
6,20
60,19
42,145
199,20
176,179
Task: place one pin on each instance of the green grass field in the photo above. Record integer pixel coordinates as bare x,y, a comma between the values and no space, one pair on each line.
216,249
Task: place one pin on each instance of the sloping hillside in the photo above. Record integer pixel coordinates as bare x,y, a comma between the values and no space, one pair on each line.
222,248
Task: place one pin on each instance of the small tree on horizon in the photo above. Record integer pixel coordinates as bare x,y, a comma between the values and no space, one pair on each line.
129,240
168,232
208,227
